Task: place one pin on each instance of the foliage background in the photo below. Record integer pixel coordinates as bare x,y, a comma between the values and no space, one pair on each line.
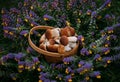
110,74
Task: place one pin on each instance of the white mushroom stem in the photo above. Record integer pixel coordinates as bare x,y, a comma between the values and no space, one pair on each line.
72,39
72,45
67,48
55,32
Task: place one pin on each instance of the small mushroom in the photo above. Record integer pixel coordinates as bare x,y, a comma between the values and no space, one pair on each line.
57,40
53,48
67,48
48,34
67,31
72,44
72,39
61,49
71,30
55,32
64,40
64,32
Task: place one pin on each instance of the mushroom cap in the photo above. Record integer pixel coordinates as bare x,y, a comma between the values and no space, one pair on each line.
48,34
64,40
64,32
71,30
61,49
53,48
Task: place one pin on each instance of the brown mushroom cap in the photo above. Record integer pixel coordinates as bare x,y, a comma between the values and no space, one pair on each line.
64,32
71,30
64,40
52,48
48,34
67,31
61,49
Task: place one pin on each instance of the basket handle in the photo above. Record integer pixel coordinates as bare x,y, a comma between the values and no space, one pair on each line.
37,48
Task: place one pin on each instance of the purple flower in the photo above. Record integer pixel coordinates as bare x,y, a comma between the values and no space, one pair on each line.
68,78
68,60
95,74
93,45
28,65
107,43
33,23
59,76
43,76
84,51
19,56
53,65
107,17
80,70
9,28
10,56
14,10
107,2
27,18
68,70
94,14
59,66
19,20
87,66
30,50
107,60
102,32
35,60
81,63
105,50
88,12
80,38
97,57
113,37
24,33
32,14
26,2
40,67
21,66
4,59
47,17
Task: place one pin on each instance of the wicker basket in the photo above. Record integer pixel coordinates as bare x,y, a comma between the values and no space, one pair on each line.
50,56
